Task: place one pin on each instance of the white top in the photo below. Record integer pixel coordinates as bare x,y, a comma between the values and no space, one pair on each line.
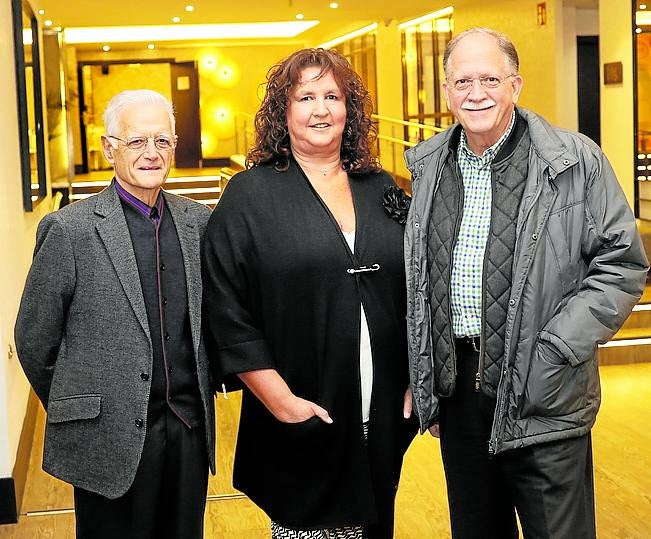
365,355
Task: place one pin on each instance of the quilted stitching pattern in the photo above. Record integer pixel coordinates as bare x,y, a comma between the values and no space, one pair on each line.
439,255
508,186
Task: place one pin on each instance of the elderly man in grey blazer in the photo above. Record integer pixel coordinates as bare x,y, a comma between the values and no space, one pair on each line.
109,336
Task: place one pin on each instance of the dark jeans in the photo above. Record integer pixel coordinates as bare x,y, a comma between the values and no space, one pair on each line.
168,495
550,485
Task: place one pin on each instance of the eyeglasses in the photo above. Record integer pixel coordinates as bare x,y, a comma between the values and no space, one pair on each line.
490,83
162,142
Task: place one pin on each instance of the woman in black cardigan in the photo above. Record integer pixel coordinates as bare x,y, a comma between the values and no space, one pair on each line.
304,301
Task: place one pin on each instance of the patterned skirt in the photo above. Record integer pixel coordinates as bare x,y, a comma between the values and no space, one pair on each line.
347,532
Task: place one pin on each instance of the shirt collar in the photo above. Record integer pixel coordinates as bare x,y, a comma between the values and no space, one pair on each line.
489,154
154,212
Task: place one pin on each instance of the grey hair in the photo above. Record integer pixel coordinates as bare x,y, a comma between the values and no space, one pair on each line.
127,98
503,42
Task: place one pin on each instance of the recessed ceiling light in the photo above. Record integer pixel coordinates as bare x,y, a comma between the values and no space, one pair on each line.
106,48
41,12
334,5
189,8
151,46
176,19
48,23
300,16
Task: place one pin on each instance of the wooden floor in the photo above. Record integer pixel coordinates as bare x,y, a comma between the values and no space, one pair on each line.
622,449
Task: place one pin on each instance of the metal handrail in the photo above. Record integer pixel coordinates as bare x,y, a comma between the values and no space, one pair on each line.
408,124
407,143
244,133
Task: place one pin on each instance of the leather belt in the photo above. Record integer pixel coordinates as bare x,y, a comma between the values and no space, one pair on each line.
474,342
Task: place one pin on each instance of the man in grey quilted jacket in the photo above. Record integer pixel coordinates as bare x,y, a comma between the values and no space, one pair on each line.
522,255
109,336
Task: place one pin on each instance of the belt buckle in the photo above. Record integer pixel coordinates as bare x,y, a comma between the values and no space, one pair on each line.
475,342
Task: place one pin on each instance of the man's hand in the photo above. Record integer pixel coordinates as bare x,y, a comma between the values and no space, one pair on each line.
434,430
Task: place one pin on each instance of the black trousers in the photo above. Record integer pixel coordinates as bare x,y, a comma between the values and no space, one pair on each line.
550,485
168,495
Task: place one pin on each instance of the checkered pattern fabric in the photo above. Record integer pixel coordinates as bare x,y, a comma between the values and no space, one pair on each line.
468,255
353,532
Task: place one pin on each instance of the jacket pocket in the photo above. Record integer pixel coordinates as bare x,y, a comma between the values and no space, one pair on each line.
561,224
554,387
74,407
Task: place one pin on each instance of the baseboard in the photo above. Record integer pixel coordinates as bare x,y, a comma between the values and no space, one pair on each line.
24,450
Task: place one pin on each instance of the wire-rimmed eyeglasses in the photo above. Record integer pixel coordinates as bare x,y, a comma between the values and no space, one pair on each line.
161,142
489,82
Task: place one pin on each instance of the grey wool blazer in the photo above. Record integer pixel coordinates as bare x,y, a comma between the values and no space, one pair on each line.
83,339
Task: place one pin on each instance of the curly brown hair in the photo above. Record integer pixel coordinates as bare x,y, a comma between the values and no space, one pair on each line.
272,144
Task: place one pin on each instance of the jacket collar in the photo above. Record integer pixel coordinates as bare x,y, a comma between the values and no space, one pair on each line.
544,141
547,144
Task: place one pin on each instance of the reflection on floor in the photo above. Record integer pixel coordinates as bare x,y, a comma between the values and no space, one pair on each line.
622,474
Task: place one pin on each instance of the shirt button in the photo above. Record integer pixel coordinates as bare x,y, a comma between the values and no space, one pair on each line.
162,267
139,423
167,336
534,237
144,376
566,162
169,369
511,302
164,301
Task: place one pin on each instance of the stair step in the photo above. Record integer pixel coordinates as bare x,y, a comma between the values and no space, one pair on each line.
624,351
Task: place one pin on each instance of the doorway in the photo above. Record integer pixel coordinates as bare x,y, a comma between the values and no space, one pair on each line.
99,81
587,51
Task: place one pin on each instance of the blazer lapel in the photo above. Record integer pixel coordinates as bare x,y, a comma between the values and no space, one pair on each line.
114,233
188,233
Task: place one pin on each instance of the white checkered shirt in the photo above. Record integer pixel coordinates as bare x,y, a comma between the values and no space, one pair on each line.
468,255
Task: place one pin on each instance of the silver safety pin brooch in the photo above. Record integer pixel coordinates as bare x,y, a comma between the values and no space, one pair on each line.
362,269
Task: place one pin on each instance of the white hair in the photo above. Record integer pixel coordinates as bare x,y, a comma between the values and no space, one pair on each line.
127,98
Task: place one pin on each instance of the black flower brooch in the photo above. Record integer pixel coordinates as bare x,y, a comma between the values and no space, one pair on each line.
396,203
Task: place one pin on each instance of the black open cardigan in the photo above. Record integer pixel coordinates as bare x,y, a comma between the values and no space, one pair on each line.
277,294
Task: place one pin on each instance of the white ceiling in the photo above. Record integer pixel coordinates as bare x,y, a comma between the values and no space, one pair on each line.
351,14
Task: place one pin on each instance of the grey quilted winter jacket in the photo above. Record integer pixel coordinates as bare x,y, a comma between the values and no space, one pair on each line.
578,269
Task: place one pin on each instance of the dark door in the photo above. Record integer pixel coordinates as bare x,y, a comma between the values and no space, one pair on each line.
587,51
185,96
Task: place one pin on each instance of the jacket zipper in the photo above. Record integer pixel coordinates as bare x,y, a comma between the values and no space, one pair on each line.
457,227
493,442
482,348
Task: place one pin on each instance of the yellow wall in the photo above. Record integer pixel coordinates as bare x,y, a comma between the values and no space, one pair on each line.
536,45
17,230
229,82
615,45
389,90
